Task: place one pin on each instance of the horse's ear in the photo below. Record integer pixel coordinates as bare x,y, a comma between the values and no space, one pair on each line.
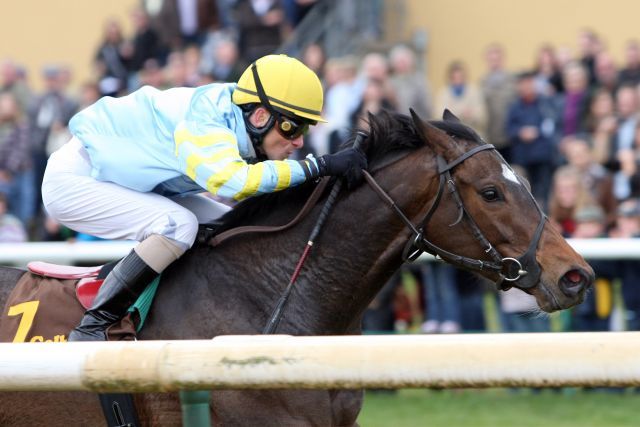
448,116
434,137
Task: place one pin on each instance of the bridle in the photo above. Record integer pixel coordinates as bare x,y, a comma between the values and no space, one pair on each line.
523,272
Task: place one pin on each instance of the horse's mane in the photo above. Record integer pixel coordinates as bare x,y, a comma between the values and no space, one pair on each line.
389,133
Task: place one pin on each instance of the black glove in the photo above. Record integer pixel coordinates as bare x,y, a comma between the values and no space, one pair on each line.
347,163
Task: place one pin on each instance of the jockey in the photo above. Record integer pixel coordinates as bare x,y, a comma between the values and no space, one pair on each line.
134,165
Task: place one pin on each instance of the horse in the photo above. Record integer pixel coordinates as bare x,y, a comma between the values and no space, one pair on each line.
447,192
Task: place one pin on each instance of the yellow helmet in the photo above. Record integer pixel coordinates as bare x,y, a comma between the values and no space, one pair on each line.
287,85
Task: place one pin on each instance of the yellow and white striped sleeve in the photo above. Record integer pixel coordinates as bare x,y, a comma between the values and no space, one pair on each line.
213,161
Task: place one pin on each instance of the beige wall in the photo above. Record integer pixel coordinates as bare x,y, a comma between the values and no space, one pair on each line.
461,29
37,32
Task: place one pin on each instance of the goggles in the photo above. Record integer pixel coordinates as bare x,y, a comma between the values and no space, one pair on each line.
290,128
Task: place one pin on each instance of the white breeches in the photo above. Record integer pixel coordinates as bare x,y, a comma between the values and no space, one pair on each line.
104,209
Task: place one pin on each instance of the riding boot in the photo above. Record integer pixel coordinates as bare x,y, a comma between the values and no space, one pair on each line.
121,288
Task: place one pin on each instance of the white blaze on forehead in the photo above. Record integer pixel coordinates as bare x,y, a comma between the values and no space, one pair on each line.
508,173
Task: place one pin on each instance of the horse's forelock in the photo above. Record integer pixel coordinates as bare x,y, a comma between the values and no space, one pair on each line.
389,132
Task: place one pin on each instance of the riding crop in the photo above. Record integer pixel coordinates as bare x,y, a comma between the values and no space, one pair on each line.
274,320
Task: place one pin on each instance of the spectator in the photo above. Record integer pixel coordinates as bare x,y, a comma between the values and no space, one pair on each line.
442,301
568,195
471,290
375,66
628,226
53,231
631,72
531,127
379,317
499,91
606,72
411,88
227,66
16,168
49,115
153,75
463,99
11,229
373,101
88,94
601,123
547,71
296,10
260,25
181,23
177,75
573,104
10,81
340,78
314,57
110,61
627,110
622,161
519,312
596,179
590,45
593,314
144,45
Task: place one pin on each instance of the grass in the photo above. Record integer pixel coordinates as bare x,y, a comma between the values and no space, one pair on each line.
500,408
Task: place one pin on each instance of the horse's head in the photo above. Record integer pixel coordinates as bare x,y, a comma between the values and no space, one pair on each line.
483,217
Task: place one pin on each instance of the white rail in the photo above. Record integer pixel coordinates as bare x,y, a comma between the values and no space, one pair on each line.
279,361
87,252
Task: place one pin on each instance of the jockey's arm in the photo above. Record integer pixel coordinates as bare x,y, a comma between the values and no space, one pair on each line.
213,161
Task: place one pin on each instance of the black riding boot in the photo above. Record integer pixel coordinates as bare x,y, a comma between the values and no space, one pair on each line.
121,288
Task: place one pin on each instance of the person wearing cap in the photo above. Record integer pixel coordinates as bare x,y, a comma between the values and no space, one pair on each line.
135,164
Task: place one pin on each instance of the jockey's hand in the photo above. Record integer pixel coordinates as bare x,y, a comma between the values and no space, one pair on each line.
347,163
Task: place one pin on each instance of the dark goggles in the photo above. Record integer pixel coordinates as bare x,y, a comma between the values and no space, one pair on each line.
290,128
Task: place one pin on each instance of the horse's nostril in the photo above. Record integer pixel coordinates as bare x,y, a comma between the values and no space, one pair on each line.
574,276
574,281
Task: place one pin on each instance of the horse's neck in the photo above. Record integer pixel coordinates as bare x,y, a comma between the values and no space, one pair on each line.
358,252
237,285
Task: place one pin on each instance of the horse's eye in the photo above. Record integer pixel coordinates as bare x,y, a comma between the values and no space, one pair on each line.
490,194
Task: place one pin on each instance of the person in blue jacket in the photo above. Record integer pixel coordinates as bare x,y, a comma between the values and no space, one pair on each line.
135,164
532,129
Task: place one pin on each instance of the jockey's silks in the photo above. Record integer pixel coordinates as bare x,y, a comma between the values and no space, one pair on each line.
179,141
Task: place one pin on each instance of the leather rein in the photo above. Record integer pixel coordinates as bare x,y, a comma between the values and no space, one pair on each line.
523,272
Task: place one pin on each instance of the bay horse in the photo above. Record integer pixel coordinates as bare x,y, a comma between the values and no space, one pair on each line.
459,199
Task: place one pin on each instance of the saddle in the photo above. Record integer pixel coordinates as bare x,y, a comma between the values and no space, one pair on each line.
89,278
49,300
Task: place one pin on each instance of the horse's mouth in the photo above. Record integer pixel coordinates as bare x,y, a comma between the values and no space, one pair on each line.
549,301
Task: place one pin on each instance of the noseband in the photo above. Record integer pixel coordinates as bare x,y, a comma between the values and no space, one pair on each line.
523,272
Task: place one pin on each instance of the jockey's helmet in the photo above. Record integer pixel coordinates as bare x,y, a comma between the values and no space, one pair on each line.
285,85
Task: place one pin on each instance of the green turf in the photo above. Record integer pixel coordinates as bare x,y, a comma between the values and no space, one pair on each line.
500,407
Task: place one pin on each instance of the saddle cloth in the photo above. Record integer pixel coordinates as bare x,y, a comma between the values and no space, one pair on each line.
42,308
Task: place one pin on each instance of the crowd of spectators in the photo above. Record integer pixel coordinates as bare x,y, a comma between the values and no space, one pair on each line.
569,124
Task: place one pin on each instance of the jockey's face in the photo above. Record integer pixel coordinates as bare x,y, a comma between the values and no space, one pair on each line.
274,145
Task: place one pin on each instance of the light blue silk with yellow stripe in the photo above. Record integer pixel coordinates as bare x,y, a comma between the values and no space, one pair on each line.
152,140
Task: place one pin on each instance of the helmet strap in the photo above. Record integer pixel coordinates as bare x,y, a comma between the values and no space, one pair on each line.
256,134
264,99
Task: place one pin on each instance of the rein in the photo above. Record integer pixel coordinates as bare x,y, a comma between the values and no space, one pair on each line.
308,206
